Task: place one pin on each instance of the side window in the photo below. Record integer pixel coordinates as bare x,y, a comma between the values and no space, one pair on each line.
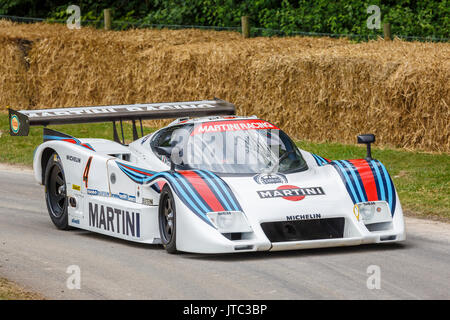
170,137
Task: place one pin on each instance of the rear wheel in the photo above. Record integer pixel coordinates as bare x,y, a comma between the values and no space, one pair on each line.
167,220
56,193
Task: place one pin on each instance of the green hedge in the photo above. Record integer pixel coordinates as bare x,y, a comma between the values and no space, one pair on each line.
421,18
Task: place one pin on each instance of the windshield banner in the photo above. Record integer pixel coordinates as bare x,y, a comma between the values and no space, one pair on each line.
237,125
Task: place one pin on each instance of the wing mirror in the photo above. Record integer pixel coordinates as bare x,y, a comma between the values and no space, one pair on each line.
367,139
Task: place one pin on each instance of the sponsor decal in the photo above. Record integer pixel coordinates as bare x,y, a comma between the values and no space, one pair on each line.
75,187
73,158
147,202
86,171
76,221
291,193
270,178
121,196
115,109
15,124
356,211
304,217
221,126
114,220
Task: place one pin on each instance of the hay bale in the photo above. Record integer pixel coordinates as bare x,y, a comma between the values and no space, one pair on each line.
317,89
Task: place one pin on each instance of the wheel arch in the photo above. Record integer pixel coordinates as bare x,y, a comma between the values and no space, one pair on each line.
45,156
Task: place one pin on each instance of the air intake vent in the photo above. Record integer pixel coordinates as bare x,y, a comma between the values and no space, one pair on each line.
303,230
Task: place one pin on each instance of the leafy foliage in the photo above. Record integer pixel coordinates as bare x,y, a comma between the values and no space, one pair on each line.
422,18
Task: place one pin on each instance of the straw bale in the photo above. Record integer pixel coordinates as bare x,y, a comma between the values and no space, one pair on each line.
317,89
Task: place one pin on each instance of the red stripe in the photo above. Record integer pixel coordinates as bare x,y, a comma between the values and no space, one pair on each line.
136,170
87,146
70,140
203,189
367,178
161,184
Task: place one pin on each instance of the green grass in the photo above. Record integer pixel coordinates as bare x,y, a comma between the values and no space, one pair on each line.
19,150
422,179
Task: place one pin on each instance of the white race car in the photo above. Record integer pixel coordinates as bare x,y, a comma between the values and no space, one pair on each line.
210,182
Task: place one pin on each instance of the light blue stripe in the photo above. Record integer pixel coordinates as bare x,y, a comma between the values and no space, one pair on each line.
355,178
174,181
224,188
349,183
388,183
228,207
322,159
133,174
380,180
317,159
61,138
194,195
140,169
201,214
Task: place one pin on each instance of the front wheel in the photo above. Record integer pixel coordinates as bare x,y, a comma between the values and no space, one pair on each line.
167,220
56,193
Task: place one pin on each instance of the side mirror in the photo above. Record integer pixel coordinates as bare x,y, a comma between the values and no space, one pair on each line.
367,139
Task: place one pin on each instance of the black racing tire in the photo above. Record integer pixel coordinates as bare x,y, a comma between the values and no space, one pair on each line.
167,220
56,193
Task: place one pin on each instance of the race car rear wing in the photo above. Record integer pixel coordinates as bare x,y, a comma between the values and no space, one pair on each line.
20,121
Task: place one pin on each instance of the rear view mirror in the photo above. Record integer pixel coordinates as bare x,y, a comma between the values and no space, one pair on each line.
367,139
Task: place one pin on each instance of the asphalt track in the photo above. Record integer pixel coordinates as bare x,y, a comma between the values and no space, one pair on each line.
36,255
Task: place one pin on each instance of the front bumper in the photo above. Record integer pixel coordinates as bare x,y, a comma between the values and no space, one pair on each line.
201,238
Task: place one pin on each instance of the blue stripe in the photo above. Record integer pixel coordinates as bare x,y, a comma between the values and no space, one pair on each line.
224,202
141,178
374,174
322,159
224,188
394,197
136,168
46,137
183,195
348,181
380,181
360,182
136,176
355,179
319,162
388,183
192,192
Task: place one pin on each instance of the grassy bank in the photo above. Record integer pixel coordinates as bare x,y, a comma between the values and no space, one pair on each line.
422,179
11,291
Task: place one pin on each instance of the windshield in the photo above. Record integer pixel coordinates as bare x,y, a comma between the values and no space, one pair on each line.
248,146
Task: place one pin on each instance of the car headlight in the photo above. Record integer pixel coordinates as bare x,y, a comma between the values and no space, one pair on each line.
229,221
372,212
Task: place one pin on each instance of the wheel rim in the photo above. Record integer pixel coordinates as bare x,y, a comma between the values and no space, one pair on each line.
57,191
167,219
